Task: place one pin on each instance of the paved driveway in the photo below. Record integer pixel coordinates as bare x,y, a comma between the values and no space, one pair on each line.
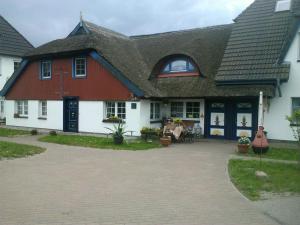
184,184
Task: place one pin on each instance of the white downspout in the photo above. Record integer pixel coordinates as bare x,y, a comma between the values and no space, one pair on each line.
260,110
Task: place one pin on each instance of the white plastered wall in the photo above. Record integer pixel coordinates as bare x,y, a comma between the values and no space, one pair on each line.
275,116
54,115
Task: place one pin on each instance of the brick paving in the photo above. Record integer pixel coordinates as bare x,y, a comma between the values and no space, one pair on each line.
181,185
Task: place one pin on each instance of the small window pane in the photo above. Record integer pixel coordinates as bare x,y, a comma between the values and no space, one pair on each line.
244,105
80,67
154,110
179,66
295,104
283,5
43,108
177,109
46,69
121,110
16,65
217,105
110,109
192,110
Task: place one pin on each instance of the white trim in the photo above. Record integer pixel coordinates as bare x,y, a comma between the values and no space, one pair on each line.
75,70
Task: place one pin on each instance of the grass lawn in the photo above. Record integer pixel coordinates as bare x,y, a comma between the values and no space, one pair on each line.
98,142
282,177
13,150
277,153
5,132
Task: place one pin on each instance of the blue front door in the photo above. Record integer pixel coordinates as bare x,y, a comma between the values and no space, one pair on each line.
71,114
231,118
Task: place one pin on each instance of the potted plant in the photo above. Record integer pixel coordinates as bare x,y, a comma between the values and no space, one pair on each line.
118,132
165,141
177,121
243,144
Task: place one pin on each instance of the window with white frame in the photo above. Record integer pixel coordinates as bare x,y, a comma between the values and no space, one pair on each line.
46,69
43,109
80,67
193,110
22,108
116,109
154,110
177,109
295,104
283,5
16,65
1,106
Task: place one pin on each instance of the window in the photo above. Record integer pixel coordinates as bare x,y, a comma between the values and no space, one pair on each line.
154,110
1,106
16,65
178,66
121,110
80,67
22,108
46,69
117,109
192,110
283,5
43,109
295,104
177,109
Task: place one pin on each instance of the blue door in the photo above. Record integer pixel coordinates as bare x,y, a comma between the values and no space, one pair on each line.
231,118
71,114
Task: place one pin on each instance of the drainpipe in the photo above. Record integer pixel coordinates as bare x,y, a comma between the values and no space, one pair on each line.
278,87
260,110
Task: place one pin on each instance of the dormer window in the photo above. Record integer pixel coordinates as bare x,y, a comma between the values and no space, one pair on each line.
182,66
283,5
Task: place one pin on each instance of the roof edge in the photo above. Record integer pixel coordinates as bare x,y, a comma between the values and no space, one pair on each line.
118,74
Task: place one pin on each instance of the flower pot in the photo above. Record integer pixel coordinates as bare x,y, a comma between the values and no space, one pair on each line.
243,148
118,140
165,141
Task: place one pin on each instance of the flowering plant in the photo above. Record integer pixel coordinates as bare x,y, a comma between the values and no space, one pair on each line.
244,141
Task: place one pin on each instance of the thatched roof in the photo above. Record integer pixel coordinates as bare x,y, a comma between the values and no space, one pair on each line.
251,53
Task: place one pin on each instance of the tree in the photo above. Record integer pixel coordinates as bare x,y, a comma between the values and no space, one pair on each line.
294,120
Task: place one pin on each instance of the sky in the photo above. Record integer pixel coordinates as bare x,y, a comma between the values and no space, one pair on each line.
41,21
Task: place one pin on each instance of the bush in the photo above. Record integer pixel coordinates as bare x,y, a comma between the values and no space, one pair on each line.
52,133
34,132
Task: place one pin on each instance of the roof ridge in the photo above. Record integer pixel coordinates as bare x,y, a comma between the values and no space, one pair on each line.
25,39
181,31
105,29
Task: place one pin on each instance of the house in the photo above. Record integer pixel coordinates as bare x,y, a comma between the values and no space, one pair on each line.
12,47
210,75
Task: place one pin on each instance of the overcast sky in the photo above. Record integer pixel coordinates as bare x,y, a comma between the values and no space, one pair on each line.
41,21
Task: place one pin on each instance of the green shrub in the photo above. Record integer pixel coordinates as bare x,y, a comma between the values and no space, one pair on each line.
34,132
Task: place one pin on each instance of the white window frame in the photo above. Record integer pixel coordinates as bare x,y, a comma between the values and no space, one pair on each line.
297,108
184,109
16,61
155,111
75,67
117,109
286,4
43,72
2,107
43,109
186,105
21,108
177,112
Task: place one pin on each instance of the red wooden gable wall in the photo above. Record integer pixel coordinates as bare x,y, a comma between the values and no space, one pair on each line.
99,84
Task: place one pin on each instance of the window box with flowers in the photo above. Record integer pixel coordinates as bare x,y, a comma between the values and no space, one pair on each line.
113,119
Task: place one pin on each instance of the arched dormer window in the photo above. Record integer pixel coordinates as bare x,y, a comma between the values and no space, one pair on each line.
177,67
